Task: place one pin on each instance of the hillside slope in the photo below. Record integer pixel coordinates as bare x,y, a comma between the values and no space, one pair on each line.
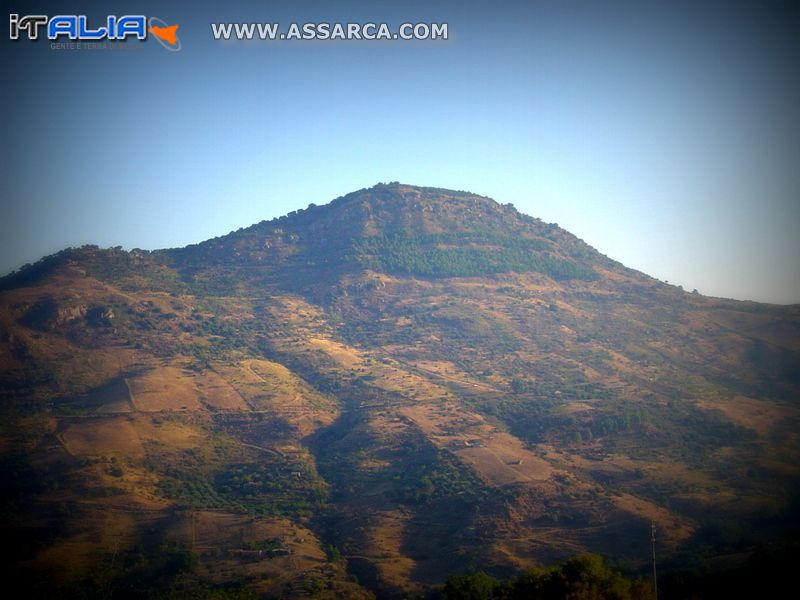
367,396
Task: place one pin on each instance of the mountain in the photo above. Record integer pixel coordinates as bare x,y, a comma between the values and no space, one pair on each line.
369,396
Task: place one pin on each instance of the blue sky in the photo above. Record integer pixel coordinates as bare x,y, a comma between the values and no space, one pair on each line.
665,134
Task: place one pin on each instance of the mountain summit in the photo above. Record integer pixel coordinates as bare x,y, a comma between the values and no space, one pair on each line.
403,229
371,395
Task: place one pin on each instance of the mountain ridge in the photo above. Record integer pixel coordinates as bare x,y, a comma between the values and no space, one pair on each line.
395,202
393,190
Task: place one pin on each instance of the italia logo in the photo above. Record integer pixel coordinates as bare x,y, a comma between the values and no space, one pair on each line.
77,27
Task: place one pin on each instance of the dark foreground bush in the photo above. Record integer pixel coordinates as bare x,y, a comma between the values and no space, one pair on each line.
584,577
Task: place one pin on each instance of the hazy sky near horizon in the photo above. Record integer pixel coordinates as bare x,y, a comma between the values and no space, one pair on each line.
665,134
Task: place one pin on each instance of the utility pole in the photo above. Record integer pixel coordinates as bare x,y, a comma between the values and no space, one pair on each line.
653,541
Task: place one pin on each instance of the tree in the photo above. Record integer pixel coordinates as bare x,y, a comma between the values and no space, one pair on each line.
584,577
475,586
